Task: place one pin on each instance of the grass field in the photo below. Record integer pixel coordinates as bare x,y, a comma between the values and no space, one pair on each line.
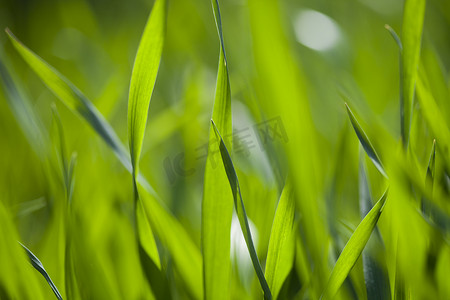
239,149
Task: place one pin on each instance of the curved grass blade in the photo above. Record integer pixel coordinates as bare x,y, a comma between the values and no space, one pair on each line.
240,210
353,249
280,256
72,97
36,263
217,206
365,142
413,16
143,79
158,214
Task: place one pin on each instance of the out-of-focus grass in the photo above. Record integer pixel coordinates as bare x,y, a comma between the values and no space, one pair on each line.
276,97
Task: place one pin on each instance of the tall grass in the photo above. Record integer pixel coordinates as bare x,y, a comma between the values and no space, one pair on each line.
289,214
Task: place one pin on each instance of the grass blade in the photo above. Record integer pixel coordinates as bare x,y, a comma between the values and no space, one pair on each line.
217,206
429,178
72,97
365,142
240,210
36,263
353,249
375,277
413,16
280,256
143,79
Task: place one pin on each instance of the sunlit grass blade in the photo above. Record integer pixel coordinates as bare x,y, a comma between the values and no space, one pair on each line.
413,16
353,249
36,263
240,210
72,97
280,256
185,255
143,79
217,204
365,142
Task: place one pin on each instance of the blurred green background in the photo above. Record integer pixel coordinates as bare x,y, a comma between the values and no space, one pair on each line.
319,50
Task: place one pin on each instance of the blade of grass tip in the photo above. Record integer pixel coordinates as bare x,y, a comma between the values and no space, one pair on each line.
280,255
240,210
143,79
365,142
353,249
429,177
413,16
217,203
36,263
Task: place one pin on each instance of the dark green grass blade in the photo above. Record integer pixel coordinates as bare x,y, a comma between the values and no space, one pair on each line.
280,256
36,263
240,210
217,204
365,142
375,277
353,249
429,178
413,16
143,79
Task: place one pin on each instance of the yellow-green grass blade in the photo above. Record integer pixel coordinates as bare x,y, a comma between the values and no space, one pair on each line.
353,249
217,204
80,104
413,16
280,256
365,142
143,79
185,255
72,97
36,263
240,211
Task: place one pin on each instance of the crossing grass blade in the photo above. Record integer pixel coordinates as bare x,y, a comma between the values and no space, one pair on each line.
375,277
36,263
429,178
365,142
413,16
280,256
143,79
72,97
353,249
217,204
240,210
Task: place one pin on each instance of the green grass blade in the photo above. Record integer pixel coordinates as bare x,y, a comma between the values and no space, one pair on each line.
217,204
429,178
413,16
280,256
36,263
365,142
375,277
143,79
353,249
240,210
185,255
72,97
